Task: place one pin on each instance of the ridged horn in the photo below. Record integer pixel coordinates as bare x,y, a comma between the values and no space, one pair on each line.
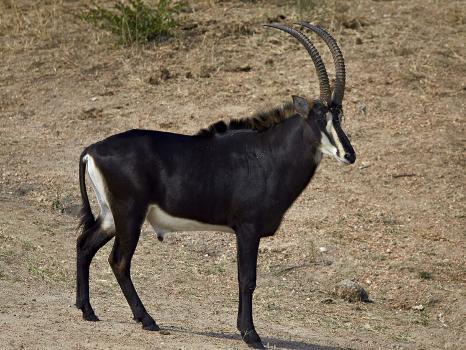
324,84
339,89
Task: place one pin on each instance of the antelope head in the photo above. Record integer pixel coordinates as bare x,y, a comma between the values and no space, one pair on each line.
325,114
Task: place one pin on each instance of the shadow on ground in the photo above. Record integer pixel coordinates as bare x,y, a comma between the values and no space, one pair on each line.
269,342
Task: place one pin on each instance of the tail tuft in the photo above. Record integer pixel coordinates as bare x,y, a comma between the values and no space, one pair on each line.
86,220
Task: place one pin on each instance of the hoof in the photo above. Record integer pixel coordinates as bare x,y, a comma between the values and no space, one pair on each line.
148,323
91,317
88,312
151,327
251,338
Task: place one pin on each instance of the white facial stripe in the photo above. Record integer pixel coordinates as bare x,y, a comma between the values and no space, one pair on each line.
326,146
331,130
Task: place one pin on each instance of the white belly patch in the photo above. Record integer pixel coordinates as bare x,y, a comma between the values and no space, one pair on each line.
162,222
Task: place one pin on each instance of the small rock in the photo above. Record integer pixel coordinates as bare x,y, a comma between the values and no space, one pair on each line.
418,307
358,41
164,332
351,291
322,249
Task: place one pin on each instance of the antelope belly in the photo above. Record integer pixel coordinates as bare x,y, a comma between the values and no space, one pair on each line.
161,221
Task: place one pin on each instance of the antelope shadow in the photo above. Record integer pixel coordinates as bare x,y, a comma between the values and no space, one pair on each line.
269,342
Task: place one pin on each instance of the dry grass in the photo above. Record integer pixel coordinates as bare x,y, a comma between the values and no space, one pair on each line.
396,226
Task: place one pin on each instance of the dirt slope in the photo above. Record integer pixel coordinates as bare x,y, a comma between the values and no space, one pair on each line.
394,222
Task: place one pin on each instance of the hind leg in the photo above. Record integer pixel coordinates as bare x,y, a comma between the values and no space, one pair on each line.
128,229
88,243
91,240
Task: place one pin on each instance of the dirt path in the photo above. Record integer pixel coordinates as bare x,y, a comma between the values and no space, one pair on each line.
396,226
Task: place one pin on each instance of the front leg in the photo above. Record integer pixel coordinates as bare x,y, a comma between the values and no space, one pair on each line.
247,248
240,302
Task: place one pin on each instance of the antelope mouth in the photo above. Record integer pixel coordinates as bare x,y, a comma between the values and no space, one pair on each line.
343,160
348,159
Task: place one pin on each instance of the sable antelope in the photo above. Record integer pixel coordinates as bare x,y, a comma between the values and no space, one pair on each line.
239,177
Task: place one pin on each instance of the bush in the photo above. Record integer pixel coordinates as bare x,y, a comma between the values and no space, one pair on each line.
135,22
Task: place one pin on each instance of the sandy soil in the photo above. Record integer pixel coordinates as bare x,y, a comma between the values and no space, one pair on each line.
394,222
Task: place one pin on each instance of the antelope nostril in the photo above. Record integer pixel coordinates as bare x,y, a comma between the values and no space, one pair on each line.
350,157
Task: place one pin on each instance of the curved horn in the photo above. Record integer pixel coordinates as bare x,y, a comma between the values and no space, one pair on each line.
324,84
339,89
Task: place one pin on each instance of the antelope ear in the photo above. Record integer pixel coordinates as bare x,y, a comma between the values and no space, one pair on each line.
301,105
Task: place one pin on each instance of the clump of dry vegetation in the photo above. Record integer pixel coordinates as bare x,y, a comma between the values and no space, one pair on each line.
135,22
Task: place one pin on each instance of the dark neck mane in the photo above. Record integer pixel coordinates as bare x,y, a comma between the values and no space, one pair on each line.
258,122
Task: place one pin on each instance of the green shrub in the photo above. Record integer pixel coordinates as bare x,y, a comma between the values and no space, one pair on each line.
135,22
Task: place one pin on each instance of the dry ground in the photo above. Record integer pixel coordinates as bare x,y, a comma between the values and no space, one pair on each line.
394,222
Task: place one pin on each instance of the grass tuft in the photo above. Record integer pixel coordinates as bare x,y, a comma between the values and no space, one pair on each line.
135,22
